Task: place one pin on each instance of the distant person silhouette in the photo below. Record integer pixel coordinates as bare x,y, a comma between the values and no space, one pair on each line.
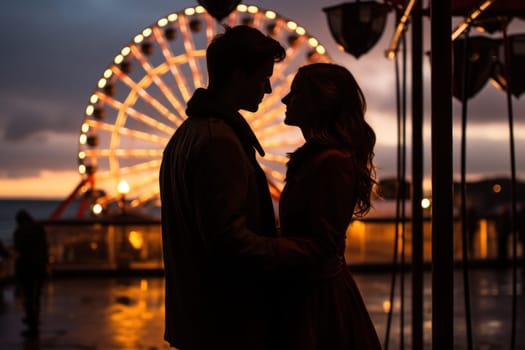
329,179
31,249
219,237
4,253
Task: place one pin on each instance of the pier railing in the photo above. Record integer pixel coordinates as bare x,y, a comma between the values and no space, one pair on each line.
136,245
117,245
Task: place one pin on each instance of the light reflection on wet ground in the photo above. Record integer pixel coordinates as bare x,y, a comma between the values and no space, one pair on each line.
127,313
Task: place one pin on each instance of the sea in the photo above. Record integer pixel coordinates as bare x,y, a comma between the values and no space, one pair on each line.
40,209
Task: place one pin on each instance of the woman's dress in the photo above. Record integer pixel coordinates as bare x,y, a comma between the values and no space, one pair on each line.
322,309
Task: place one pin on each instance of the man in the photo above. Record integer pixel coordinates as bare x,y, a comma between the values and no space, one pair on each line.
218,225
32,257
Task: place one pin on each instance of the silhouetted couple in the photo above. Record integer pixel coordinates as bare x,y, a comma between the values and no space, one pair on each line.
232,281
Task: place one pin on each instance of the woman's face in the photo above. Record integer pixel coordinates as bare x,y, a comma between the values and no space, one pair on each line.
300,105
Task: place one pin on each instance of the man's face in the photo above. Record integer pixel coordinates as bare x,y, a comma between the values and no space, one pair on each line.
253,86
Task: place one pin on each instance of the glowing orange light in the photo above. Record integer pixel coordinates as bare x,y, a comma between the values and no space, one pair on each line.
136,239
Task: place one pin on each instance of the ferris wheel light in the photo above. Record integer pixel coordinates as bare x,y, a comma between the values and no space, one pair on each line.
199,9
242,8
190,11
89,111
84,128
147,32
125,51
270,15
313,42
162,22
300,31
123,187
81,155
93,99
83,139
118,59
173,17
320,49
138,38
108,73
292,25
97,209
82,169
252,9
102,82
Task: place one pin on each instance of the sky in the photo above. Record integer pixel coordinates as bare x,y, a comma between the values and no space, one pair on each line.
54,51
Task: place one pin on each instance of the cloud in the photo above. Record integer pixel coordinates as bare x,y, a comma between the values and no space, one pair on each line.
46,151
24,117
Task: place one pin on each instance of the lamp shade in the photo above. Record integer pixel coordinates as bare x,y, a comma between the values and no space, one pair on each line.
516,66
219,9
357,26
481,61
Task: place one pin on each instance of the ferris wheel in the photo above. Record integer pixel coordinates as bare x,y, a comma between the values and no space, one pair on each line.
139,102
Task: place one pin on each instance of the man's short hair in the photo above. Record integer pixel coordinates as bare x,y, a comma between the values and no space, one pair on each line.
240,47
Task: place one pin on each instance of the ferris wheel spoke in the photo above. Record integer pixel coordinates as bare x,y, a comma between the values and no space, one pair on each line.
271,111
232,18
179,78
137,89
103,176
127,132
282,143
145,198
271,130
151,73
143,118
278,92
189,45
124,153
274,174
258,18
145,183
146,166
291,54
144,186
269,115
275,158
210,27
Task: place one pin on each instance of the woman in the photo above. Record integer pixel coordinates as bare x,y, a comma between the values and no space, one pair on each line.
329,179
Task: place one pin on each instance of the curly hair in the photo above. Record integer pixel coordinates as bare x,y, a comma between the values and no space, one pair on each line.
342,123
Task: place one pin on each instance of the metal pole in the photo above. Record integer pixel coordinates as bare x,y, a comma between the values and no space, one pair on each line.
442,197
417,177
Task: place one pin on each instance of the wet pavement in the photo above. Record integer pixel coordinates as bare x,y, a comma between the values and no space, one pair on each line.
127,312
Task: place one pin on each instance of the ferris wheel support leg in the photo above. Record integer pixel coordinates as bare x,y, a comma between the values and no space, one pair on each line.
82,208
63,205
